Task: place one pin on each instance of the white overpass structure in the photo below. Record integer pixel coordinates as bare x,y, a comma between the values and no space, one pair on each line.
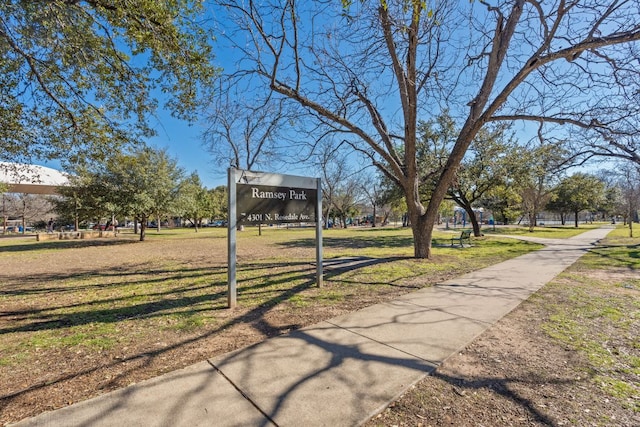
31,179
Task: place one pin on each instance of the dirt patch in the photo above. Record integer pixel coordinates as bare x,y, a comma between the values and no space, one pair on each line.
515,374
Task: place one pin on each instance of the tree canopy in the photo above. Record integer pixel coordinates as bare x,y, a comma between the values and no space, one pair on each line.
137,185
80,78
492,160
194,201
578,192
369,71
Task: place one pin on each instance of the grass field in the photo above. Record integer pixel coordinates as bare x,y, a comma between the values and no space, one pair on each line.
133,291
79,318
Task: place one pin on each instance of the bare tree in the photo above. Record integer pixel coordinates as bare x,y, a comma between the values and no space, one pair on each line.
348,200
373,193
335,171
30,208
625,147
544,167
629,182
244,133
371,69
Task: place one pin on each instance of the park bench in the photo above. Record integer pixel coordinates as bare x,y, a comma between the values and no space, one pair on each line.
465,235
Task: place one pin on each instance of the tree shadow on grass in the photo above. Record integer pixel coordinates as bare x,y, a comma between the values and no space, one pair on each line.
94,315
127,307
177,302
355,242
99,279
609,252
67,244
336,267
279,274
254,317
267,290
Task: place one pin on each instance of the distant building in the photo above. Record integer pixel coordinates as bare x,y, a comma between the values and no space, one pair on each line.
31,179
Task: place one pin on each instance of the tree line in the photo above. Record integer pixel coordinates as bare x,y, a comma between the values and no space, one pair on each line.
142,185
513,182
83,80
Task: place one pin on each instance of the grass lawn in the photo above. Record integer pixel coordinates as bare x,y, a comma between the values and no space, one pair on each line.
549,232
80,318
569,355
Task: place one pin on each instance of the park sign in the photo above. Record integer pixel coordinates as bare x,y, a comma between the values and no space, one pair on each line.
269,198
265,204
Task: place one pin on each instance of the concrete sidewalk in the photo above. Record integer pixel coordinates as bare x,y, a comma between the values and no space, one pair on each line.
336,373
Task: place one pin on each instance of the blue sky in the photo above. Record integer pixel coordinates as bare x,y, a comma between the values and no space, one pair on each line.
184,143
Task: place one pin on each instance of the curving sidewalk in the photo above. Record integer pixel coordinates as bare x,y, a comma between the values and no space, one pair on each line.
335,373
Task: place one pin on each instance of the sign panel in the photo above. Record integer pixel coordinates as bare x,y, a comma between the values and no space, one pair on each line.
264,204
263,198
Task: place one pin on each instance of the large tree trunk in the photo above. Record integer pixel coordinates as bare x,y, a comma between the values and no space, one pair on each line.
474,220
576,218
464,203
373,223
421,223
143,227
532,221
421,236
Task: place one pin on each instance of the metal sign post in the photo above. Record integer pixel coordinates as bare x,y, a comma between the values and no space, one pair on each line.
319,234
261,197
232,224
